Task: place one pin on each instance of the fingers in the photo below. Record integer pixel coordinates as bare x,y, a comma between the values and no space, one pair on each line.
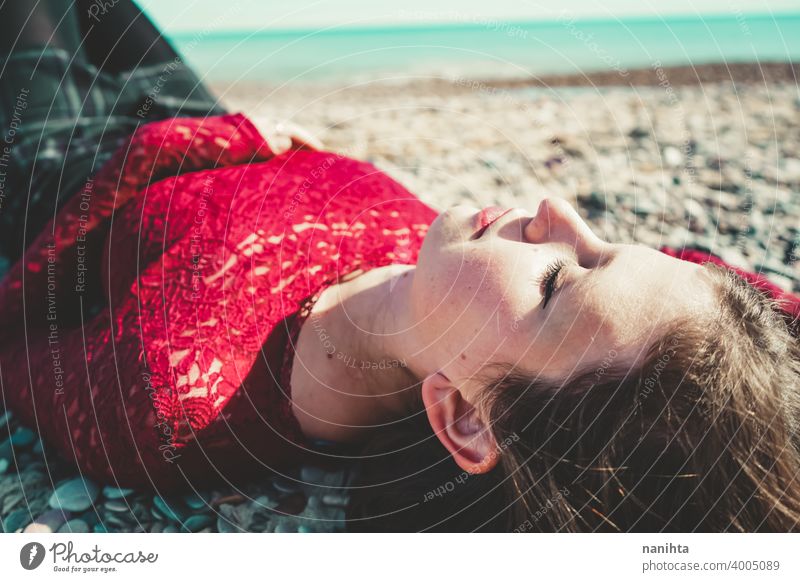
284,135
300,137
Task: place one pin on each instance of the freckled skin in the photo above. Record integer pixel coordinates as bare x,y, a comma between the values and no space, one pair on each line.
484,295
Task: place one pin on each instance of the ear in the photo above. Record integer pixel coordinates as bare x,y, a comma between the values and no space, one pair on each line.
458,425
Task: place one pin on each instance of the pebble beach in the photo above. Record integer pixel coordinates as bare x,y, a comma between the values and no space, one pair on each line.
706,158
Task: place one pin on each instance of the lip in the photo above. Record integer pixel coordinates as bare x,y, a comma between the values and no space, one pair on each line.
486,217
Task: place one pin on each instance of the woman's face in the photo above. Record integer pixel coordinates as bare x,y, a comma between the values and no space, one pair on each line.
542,293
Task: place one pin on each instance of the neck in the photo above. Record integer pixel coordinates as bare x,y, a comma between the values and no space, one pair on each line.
360,362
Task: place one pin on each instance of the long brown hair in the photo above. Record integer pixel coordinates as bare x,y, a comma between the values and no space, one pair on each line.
701,436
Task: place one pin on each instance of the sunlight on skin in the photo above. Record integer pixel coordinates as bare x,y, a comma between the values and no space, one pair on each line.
481,302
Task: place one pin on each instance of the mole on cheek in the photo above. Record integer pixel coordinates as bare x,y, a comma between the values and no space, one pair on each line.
463,356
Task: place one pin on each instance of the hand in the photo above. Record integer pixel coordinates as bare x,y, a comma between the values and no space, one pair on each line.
285,135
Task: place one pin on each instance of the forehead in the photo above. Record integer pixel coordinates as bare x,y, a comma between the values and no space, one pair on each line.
622,306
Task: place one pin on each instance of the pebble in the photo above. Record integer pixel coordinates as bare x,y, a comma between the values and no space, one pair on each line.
22,437
48,522
16,520
696,215
6,451
116,506
672,156
335,500
37,528
116,493
225,526
170,510
74,526
196,501
4,464
74,495
197,522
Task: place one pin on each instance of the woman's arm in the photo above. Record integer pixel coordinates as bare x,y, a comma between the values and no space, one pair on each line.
62,266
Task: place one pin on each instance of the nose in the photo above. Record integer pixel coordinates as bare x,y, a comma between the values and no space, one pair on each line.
556,221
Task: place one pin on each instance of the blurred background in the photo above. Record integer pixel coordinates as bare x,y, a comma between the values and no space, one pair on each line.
355,40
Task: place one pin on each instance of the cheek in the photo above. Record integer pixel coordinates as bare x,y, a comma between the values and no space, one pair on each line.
472,295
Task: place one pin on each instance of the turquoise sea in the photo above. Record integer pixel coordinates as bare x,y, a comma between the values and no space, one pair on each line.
489,49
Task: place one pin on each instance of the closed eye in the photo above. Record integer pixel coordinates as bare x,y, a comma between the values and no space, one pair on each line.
549,280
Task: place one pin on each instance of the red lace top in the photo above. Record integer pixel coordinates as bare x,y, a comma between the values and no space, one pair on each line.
199,246
148,331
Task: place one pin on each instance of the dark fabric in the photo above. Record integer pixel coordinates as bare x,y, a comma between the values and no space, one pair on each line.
62,118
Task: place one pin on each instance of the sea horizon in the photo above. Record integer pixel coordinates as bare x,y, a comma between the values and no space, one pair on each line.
488,48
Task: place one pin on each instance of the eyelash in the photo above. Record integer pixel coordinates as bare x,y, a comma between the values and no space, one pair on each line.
547,281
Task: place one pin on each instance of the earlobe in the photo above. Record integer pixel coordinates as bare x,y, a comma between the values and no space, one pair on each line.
458,425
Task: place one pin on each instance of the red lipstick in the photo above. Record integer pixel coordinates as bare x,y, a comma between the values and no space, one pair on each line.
486,217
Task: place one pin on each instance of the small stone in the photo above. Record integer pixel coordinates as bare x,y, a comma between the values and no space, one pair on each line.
116,493
644,207
672,156
37,528
6,450
335,500
120,521
116,506
74,495
100,528
592,200
243,515
16,520
696,215
225,526
4,464
197,522
48,522
74,526
285,527
22,437
638,133
170,510
196,502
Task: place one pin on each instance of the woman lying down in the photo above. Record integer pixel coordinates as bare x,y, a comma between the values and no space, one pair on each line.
203,308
